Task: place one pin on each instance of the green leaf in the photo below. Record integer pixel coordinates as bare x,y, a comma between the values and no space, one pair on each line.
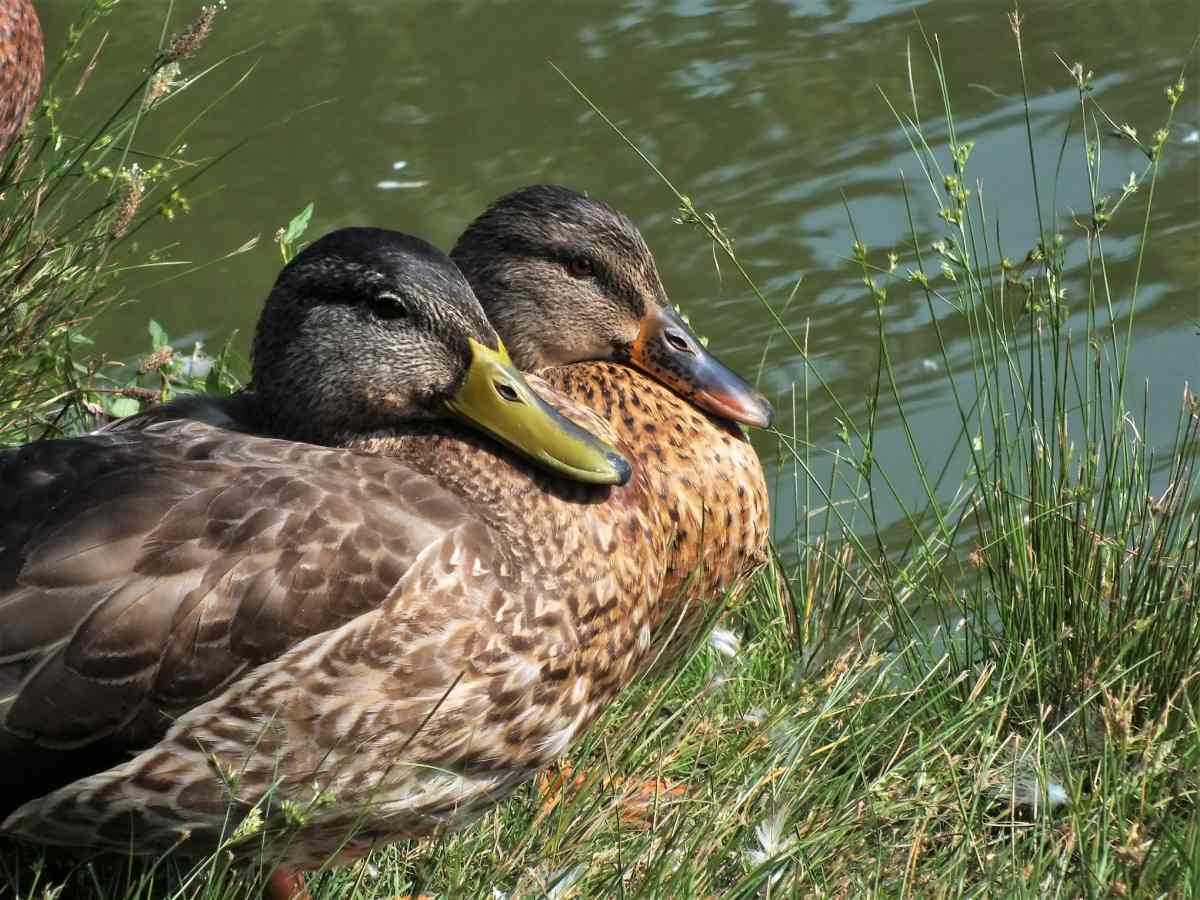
298,225
124,406
158,336
221,379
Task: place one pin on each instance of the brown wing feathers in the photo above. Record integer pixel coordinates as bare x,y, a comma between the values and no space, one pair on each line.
139,574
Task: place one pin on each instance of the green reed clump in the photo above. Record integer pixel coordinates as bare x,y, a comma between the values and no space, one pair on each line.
1082,540
1038,730
70,204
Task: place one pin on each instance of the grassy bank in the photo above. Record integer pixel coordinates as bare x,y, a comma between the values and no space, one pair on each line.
995,696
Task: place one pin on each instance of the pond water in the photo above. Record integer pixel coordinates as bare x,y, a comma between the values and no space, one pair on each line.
769,113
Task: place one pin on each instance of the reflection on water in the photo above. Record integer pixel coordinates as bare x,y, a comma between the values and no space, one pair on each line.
769,113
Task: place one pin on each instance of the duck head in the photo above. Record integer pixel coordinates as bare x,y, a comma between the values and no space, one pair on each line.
565,278
367,330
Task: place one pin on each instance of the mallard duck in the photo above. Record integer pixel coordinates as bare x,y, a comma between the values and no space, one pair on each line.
346,646
574,292
21,61
338,672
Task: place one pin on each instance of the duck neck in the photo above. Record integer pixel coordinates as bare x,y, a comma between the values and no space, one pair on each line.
587,548
700,470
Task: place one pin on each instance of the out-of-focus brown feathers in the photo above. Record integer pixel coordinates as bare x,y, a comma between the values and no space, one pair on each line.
22,58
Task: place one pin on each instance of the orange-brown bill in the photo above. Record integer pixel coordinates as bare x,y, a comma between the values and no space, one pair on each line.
670,352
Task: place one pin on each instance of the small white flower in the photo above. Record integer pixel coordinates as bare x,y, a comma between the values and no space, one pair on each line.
756,716
725,642
719,681
770,833
1056,795
199,364
1025,783
772,843
1027,790
929,365
562,881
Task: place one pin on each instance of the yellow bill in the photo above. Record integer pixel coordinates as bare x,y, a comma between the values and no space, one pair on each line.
496,398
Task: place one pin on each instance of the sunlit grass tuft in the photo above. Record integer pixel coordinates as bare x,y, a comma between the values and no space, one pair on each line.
71,204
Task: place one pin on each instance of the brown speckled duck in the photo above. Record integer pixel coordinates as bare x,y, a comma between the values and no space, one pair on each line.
574,292
206,630
340,645
22,58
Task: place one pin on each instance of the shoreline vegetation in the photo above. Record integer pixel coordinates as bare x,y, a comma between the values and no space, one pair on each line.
998,696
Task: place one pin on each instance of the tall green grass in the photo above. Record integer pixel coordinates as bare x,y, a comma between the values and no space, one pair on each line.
75,192
998,696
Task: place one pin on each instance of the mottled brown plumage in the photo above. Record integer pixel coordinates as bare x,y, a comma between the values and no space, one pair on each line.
382,640
336,644
702,473
442,649
566,279
22,58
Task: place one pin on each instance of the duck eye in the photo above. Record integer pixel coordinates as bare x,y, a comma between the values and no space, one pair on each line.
580,267
388,306
677,341
507,392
